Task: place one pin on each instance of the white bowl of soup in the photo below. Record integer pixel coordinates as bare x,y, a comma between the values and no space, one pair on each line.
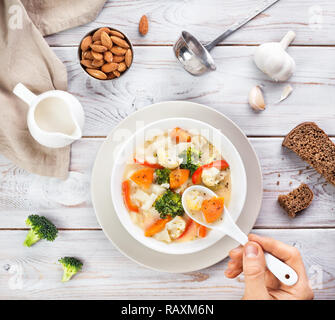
153,168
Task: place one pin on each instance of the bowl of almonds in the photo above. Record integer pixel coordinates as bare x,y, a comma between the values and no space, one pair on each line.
105,53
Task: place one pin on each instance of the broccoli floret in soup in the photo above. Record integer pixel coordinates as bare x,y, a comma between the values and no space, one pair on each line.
169,204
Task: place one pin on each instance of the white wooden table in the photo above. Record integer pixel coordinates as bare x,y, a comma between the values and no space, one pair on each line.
156,76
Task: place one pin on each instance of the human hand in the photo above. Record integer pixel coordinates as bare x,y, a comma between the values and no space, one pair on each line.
260,283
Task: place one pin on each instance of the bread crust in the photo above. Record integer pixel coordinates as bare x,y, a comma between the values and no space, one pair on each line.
323,160
298,127
297,200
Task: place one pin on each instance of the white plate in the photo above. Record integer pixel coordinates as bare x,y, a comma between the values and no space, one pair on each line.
102,202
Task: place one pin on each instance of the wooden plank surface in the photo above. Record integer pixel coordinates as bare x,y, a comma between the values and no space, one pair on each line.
282,171
312,20
68,202
156,76
30,273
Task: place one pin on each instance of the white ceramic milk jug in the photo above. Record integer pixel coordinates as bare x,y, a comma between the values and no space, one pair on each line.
55,118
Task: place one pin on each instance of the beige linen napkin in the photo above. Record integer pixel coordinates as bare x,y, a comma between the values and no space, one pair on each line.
26,57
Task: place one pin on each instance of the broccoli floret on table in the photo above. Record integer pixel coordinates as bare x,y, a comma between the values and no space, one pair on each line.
71,266
162,175
191,159
41,228
169,204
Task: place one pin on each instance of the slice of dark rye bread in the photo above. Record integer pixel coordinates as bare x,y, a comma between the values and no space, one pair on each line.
313,145
297,200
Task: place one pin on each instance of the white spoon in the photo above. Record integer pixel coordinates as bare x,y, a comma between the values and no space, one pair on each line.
282,271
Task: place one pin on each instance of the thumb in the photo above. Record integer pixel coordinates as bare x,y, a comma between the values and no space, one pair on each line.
254,268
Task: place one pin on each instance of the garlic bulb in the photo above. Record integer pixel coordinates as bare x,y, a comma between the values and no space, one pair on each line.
256,99
273,60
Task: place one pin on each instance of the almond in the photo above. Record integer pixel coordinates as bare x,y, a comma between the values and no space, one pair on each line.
97,42
118,51
97,55
128,57
87,63
106,40
85,44
111,76
120,42
98,48
97,74
108,56
88,55
109,67
116,73
118,58
117,34
97,34
97,63
143,26
122,66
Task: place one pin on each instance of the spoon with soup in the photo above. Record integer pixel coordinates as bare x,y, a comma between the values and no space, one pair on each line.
203,206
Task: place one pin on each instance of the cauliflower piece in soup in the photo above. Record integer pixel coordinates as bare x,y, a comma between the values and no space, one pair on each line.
194,200
147,154
163,236
176,227
148,204
168,158
212,176
139,196
143,199
159,189
199,142
183,146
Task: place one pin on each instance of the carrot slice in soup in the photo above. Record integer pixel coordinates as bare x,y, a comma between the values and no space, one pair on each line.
202,231
143,177
212,209
126,196
219,164
196,178
178,177
180,135
156,227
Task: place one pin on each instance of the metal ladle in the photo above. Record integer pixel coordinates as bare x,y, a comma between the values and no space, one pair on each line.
195,57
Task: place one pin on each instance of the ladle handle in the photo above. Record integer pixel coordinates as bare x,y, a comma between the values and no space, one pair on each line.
280,270
219,39
267,4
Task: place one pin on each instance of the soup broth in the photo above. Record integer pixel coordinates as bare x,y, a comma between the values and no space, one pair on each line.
157,175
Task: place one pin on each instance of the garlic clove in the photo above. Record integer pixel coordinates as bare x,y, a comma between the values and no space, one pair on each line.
256,99
286,92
